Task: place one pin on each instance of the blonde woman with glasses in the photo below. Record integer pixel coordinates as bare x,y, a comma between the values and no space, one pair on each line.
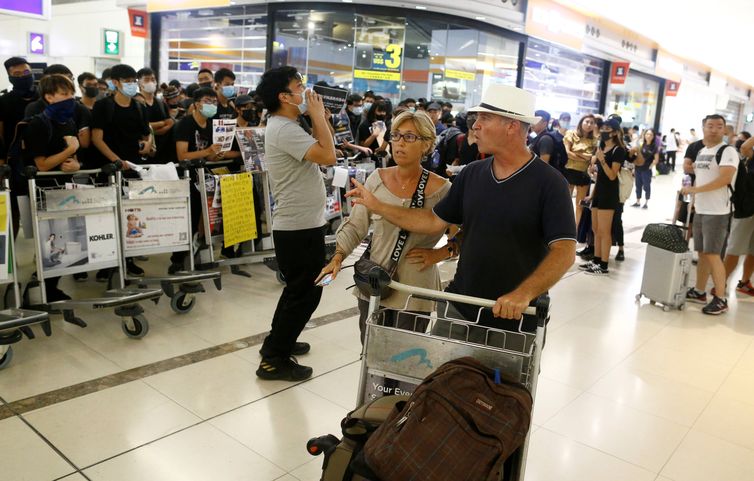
412,137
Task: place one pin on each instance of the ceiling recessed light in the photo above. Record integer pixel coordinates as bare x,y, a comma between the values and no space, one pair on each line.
480,18
420,7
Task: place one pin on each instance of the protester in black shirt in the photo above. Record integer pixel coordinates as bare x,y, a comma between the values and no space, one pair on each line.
354,109
226,92
520,248
50,143
82,116
13,104
159,119
120,124
370,130
608,160
89,87
204,79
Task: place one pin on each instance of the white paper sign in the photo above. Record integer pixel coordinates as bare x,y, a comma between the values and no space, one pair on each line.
340,177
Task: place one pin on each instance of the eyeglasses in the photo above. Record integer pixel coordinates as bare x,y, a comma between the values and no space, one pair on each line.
408,137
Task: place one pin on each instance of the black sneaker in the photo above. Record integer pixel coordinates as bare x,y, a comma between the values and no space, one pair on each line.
81,277
597,270
133,269
299,349
620,256
56,294
692,295
716,307
586,265
103,275
174,268
587,251
283,369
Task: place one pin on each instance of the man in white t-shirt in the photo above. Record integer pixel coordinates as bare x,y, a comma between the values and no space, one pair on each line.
671,148
714,173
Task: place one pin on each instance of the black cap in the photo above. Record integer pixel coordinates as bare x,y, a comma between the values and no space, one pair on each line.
543,114
612,123
433,106
242,100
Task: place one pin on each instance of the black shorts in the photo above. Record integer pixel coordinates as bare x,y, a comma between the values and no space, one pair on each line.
575,177
607,199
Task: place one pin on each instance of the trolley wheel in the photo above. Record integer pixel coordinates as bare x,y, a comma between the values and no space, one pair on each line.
140,329
6,358
182,303
666,308
280,277
638,297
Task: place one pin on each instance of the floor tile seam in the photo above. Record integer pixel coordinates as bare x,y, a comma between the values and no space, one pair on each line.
208,421
141,372
641,410
611,455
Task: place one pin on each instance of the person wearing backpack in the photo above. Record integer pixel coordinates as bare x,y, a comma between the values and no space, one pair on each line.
120,131
741,240
715,167
159,118
50,143
548,144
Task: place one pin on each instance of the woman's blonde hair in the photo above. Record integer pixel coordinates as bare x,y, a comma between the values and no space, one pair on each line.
424,126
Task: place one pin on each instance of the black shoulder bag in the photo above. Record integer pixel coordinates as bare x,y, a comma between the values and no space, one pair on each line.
363,266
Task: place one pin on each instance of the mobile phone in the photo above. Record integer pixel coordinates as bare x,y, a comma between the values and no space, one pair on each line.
325,281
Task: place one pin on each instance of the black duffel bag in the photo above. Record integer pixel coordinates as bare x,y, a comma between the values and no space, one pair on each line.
668,237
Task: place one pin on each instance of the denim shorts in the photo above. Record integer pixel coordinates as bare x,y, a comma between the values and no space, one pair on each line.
710,233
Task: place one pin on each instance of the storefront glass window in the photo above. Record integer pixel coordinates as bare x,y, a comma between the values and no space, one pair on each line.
635,101
563,80
732,112
233,38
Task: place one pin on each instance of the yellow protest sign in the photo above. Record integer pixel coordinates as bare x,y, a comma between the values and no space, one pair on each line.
239,221
3,213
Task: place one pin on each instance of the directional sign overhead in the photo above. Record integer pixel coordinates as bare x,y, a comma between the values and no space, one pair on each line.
36,43
111,42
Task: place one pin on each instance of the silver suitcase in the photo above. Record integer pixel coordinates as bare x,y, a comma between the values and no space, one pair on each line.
666,277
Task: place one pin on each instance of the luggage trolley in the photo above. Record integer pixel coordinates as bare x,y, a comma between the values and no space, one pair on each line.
15,323
156,219
248,253
394,361
76,230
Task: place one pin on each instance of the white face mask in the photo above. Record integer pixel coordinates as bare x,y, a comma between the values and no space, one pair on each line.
149,87
357,110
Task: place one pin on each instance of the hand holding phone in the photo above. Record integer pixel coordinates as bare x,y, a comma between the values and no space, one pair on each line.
325,281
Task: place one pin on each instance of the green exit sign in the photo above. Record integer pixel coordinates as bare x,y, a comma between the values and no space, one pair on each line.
111,42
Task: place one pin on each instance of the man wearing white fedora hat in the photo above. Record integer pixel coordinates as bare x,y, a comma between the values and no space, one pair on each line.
514,209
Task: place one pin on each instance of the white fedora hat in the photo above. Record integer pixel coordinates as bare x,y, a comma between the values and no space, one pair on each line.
506,101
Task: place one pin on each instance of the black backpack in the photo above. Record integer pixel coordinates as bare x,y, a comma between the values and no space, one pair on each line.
743,190
438,161
559,156
18,155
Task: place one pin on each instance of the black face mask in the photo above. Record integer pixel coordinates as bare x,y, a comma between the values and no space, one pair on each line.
249,115
379,117
206,85
605,136
91,92
23,84
739,143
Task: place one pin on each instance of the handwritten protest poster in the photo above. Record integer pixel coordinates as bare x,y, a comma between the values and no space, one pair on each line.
239,224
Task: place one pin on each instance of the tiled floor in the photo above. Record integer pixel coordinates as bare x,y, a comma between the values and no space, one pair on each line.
626,393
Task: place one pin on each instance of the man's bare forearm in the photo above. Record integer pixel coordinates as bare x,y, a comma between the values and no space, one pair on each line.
420,221
557,262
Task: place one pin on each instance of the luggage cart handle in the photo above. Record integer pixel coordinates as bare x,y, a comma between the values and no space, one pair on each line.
451,297
32,172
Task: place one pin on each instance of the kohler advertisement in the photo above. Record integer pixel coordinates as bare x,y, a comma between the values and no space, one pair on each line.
77,241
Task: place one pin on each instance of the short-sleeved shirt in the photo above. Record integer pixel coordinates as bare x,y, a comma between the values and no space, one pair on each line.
716,202
508,224
225,112
605,185
579,145
648,152
43,138
543,144
12,107
365,130
124,130
297,185
198,137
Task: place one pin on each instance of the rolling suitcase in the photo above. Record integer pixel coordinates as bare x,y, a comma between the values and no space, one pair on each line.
666,274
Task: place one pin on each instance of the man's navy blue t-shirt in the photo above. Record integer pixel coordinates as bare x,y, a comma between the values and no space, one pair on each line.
508,224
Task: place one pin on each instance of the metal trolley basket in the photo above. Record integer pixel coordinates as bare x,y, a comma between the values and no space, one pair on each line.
15,323
86,217
156,219
395,361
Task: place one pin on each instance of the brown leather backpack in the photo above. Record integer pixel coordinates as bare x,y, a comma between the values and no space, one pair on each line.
461,423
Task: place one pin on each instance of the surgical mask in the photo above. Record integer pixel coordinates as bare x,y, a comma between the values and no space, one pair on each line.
149,87
206,85
61,112
229,91
367,106
302,106
412,109
357,110
605,136
91,92
23,84
564,124
725,139
208,110
129,89
110,85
